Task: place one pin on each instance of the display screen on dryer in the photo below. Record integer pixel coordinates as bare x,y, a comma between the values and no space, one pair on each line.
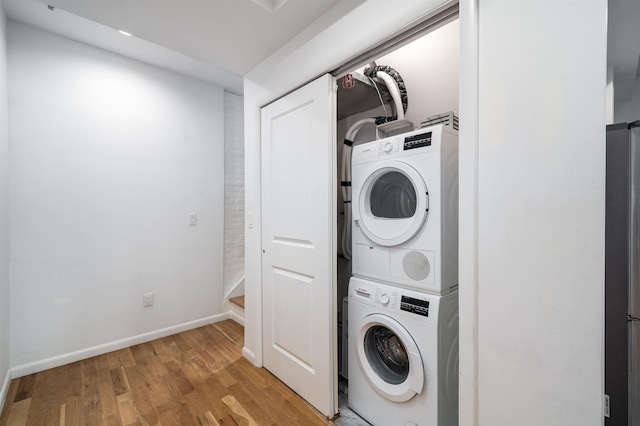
415,306
417,141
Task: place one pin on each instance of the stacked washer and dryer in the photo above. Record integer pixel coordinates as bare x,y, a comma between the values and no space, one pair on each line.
403,298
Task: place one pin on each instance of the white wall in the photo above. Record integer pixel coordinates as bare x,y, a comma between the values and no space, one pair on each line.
233,195
539,213
4,216
429,67
108,157
629,111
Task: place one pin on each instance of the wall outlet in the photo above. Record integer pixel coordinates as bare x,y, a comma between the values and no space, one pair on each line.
192,219
147,299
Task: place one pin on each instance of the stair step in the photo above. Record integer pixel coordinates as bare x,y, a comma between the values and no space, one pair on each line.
239,300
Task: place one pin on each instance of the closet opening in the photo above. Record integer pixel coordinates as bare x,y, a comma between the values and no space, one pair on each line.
391,93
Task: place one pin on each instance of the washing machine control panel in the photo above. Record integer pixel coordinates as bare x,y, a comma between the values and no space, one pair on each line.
387,299
415,306
417,141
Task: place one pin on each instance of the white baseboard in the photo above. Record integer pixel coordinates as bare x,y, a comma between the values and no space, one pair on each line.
5,389
236,317
57,361
249,355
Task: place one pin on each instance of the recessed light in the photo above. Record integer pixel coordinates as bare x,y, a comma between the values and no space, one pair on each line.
271,5
124,33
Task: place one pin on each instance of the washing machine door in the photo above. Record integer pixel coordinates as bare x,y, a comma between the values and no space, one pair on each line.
393,203
389,358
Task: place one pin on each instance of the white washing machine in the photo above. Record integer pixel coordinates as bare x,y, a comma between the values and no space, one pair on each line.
403,355
405,209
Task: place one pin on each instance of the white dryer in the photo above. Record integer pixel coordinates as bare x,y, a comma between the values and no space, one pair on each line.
403,355
405,209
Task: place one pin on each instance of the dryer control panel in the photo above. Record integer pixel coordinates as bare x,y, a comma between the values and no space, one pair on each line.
417,141
421,141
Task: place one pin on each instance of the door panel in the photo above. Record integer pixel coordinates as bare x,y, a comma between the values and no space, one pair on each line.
298,241
292,181
290,300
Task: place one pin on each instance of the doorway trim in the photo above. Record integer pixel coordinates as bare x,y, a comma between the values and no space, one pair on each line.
262,87
468,213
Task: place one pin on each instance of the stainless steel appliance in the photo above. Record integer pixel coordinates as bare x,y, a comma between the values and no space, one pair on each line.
622,275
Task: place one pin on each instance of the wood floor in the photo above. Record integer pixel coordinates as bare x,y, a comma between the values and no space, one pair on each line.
197,377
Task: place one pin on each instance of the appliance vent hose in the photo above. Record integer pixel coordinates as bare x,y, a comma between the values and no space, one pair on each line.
371,73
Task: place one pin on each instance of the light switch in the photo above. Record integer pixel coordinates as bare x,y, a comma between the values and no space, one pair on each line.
147,299
193,219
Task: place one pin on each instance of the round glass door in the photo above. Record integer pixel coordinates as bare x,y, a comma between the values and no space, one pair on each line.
393,196
386,354
393,204
389,358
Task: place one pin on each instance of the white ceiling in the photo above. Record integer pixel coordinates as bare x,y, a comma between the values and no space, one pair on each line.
233,35
221,40
215,40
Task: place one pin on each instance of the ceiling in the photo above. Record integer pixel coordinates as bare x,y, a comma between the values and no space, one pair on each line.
215,40
221,40
213,31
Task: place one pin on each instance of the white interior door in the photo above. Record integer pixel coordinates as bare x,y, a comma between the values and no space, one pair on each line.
298,241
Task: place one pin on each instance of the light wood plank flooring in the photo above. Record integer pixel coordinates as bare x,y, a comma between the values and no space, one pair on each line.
239,300
197,377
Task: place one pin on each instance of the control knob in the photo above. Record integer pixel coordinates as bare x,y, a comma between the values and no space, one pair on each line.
388,146
384,298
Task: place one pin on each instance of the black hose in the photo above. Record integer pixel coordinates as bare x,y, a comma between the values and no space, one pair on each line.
371,73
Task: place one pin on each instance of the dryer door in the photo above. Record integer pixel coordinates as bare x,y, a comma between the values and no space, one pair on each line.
389,358
393,203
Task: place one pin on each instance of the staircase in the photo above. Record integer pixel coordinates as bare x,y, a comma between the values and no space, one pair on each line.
236,309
